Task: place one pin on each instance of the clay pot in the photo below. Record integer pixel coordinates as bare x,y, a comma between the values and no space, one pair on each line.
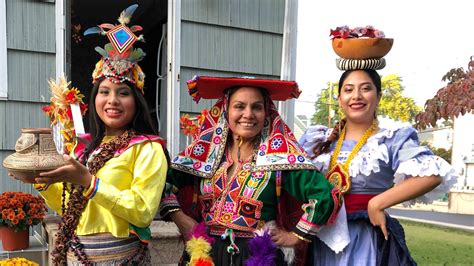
362,48
35,153
12,240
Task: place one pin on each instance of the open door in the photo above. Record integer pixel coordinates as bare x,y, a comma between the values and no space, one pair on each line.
151,15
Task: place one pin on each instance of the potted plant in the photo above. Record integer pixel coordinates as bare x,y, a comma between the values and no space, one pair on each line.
19,211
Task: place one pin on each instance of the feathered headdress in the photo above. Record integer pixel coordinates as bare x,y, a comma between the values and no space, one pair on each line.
119,62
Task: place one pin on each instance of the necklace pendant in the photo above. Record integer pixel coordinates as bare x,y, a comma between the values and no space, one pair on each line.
247,166
339,178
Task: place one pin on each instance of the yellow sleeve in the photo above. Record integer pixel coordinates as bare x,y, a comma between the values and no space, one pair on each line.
137,200
52,195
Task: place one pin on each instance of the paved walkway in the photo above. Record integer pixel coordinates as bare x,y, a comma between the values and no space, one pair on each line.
460,221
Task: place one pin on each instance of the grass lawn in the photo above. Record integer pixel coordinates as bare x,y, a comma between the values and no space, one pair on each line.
435,245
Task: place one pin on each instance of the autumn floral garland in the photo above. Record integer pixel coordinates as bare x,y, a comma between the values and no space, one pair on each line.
191,126
59,111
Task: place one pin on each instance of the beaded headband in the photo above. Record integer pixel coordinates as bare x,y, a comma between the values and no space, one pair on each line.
360,48
119,62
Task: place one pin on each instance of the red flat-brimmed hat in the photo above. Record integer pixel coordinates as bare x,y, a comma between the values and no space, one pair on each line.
214,87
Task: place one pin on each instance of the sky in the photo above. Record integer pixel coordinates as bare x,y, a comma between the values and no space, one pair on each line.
428,42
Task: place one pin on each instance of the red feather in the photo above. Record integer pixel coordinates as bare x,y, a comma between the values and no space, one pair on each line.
136,28
107,26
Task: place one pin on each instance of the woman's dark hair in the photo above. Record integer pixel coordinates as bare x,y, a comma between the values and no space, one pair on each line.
141,124
266,96
266,104
324,147
374,76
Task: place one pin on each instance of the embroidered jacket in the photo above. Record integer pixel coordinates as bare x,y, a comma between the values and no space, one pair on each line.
249,198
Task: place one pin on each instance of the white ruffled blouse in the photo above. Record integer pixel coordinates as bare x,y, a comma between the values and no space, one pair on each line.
390,156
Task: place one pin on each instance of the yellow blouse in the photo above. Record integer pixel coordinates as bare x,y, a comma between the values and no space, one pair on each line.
127,189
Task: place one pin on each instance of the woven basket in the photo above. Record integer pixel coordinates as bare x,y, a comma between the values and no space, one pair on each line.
362,48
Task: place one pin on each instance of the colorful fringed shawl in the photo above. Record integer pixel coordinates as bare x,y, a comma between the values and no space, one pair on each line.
278,148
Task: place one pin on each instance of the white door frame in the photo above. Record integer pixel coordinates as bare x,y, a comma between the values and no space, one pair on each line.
3,51
60,22
288,58
173,76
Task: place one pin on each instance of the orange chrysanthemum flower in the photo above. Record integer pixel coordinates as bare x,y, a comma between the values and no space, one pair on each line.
20,210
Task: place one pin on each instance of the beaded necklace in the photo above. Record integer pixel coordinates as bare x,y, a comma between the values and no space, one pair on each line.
338,174
72,210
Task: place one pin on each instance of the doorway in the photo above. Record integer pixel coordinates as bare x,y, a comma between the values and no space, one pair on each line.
150,14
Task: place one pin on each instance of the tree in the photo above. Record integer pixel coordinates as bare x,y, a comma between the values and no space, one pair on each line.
441,152
393,104
327,100
456,98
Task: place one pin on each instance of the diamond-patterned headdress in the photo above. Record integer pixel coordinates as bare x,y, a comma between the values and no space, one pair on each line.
119,62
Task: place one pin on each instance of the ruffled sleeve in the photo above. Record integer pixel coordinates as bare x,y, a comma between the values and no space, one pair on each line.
409,159
311,137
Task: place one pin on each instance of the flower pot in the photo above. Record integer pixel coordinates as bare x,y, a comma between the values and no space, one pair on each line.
35,153
12,240
362,48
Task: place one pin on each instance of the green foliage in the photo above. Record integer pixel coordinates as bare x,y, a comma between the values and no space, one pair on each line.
393,104
434,245
443,153
324,103
447,123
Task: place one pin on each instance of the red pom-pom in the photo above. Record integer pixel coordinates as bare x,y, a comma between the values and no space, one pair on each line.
204,262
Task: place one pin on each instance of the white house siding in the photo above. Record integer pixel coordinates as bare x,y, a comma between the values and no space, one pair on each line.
229,38
30,29
463,148
218,37
438,137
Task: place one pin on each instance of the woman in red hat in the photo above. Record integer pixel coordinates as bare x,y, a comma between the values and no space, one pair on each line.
232,182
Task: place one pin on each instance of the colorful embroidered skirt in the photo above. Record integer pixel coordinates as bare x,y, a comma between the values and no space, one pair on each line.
105,250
